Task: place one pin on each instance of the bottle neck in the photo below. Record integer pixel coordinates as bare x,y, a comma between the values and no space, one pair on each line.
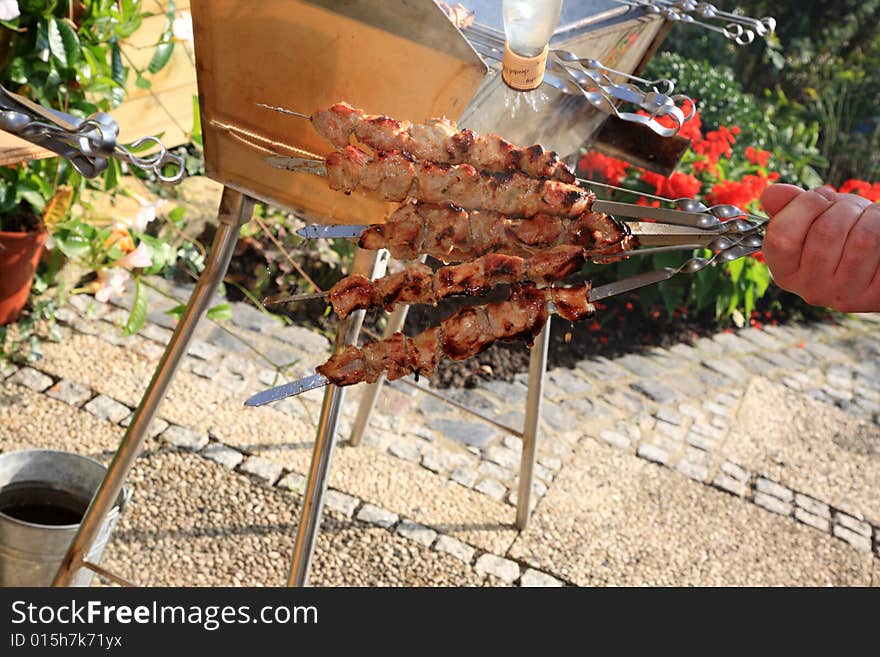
523,73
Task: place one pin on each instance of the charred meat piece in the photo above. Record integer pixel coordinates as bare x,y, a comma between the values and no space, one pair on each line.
418,283
460,336
395,177
437,140
450,234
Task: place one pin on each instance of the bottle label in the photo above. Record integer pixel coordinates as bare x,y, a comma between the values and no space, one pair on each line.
523,73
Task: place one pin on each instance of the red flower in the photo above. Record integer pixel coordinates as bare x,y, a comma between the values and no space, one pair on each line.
678,185
755,156
646,203
610,169
862,188
739,193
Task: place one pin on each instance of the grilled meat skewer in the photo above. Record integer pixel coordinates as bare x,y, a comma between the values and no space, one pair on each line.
437,140
419,283
462,335
396,176
451,234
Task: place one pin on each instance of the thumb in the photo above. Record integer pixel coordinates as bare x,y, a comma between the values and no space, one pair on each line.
777,197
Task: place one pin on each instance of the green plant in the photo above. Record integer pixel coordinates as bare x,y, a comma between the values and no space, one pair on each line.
69,55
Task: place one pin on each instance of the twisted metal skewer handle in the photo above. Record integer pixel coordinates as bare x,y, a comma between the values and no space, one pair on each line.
593,80
737,28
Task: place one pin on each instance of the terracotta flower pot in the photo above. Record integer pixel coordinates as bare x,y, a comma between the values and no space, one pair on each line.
19,255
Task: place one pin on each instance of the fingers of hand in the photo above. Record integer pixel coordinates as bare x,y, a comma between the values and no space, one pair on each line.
857,276
787,231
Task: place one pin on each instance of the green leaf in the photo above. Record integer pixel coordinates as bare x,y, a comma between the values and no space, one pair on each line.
142,83
221,311
56,43
70,42
138,314
161,56
34,198
177,311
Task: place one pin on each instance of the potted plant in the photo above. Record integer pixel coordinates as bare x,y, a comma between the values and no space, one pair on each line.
64,54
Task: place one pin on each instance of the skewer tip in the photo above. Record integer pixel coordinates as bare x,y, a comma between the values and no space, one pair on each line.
284,110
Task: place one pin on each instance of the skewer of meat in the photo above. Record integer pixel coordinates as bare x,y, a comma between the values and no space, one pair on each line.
451,234
418,283
466,333
437,140
396,176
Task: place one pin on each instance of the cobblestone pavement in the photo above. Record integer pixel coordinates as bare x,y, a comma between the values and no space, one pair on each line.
749,458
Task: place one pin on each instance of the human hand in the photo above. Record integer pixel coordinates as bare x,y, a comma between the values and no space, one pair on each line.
824,246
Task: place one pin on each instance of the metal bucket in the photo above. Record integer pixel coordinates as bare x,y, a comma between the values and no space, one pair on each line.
43,497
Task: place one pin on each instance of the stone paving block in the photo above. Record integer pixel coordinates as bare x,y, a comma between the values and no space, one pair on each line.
452,546
859,542
624,401
773,504
825,352
772,488
506,458
817,522
6,369
157,426
685,351
225,456
570,382
535,578
550,462
267,471
293,481
492,488
106,408
654,454
467,433
202,350
416,532
184,438
466,478
408,450
735,471
151,350
779,360
656,390
614,438
693,470
70,393
377,516
669,415
246,316
504,569
641,366
155,333
340,502
815,507
673,431
31,378
701,441
733,343
602,370
853,524
727,483
558,419
712,379
727,367
762,339
306,340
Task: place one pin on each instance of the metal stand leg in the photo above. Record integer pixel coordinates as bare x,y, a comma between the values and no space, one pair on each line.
325,440
537,368
396,321
235,210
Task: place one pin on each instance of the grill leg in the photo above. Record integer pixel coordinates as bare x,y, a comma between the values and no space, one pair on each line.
537,368
235,211
325,440
396,321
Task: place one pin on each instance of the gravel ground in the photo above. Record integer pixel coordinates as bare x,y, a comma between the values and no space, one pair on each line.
611,518
194,523
818,450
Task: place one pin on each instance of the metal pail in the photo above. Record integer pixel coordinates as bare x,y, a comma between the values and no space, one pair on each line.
43,496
